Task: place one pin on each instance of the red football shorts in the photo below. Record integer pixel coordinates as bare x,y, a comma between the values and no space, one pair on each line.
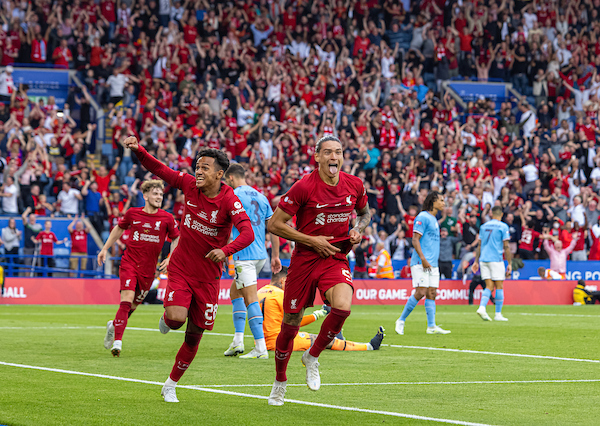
306,274
200,298
132,279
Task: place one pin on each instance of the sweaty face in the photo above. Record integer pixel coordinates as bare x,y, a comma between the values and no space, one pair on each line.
330,158
154,197
207,172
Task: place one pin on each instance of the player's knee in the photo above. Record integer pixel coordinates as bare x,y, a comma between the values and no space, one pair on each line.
292,318
420,292
175,319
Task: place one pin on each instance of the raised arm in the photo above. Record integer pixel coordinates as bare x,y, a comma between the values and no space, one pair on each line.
172,177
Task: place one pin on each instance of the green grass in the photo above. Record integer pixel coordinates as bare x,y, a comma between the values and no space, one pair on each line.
36,397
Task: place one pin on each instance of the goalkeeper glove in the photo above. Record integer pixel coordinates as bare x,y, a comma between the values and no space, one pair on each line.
321,313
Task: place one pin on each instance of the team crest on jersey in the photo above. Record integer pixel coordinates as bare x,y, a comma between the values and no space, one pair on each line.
349,200
157,225
213,216
293,303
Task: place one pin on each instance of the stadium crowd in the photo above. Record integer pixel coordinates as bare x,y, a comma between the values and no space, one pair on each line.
263,80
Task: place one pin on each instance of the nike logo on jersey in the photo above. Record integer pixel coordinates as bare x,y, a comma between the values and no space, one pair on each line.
135,222
320,206
191,205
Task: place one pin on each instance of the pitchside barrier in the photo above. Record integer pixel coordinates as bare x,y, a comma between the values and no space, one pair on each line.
76,291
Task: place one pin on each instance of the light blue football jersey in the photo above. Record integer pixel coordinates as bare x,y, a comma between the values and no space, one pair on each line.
427,225
259,210
493,234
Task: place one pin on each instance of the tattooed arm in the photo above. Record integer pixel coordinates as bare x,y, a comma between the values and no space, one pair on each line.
364,218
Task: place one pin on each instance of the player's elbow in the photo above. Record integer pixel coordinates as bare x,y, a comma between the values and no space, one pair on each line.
272,227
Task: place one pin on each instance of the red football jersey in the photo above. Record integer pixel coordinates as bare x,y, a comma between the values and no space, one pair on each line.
148,233
78,241
527,238
205,225
48,239
321,209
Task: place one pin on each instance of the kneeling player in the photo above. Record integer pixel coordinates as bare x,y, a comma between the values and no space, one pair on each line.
149,227
271,302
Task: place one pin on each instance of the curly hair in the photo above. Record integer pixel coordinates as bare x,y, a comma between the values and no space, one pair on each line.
220,157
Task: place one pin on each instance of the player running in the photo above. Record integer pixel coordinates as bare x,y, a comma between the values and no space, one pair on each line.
424,263
271,302
322,202
149,227
192,293
248,264
494,237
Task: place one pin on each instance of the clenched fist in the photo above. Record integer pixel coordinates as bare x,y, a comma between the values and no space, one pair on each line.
132,143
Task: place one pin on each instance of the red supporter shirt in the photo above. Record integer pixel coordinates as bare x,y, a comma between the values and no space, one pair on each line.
410,221
189,34
48,239
580,244
527,238
321,209
499,162
148,233
78,241
205,225
103,181
178,210
107,8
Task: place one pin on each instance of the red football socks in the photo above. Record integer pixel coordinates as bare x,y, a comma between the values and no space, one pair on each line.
120,321
186,355
283,349
331,326
173,325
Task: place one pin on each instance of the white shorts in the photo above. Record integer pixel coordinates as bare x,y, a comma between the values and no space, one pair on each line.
494,271
246,272
421,278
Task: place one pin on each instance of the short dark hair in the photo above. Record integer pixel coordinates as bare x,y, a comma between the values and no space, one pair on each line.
431,198
236,170
276,278
326,139
219,156
497,211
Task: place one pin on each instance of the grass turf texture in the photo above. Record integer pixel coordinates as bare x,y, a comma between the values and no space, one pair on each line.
39,336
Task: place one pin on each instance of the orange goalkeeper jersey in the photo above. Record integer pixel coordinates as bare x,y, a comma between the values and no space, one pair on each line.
270,299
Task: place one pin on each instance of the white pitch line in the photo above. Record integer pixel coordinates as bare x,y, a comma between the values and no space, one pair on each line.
246,395
475,382
210,333
558,315
467,351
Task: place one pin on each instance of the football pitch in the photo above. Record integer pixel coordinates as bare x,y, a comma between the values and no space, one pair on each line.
540,368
